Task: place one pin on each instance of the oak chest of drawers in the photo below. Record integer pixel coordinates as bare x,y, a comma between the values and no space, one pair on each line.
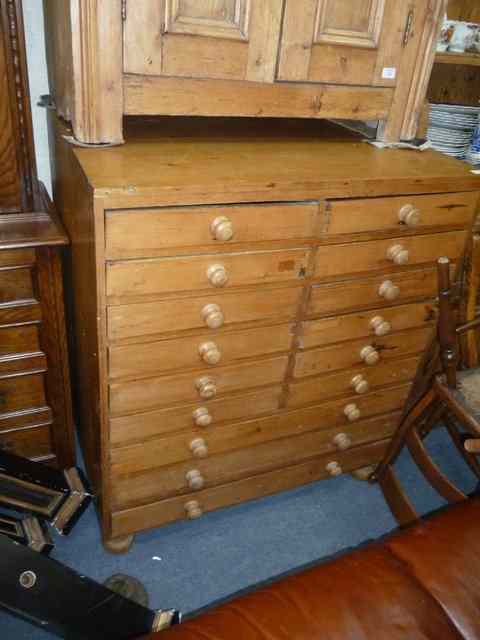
250,310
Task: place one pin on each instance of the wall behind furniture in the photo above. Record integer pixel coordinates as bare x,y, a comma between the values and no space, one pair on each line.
37,74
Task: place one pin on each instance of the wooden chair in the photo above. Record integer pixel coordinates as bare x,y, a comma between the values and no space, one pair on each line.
449,396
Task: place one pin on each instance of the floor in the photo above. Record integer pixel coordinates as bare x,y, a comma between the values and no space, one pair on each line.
188,565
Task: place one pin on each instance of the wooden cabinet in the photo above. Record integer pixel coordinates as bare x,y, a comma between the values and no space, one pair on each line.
362,60
242,325
35,406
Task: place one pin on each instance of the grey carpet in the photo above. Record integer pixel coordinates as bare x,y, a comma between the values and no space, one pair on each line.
188,565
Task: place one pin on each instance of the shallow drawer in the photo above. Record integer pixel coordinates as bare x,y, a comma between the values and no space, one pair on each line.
22,363
243,463
158,513
16,285
405,213
23,339
203,416
197,351
377,291
357,257
17,258
143,395
360,380
157,276
350,354
316,333
149,232
21,392
212,311
32,417
178,448
29,443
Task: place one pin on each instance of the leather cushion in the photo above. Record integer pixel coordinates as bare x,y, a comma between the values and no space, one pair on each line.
364,595
444,556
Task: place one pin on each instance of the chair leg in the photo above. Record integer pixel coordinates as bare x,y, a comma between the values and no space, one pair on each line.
398,440
400,506
459,442
430,470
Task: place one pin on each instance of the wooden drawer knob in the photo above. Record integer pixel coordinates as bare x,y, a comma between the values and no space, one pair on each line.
210,353
222,229
217,275
199,448
212,316
369,355
389,291
193,509
409,215
334,469
195,480
202,417
398,254
206,387
352,412
342,442
360,384
380,326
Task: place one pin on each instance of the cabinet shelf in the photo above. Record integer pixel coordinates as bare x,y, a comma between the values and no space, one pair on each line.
468,59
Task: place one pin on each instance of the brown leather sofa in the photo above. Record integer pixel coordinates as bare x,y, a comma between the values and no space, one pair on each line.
421,583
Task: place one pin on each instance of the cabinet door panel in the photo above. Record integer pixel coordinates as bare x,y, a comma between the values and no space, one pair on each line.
227,39
342,42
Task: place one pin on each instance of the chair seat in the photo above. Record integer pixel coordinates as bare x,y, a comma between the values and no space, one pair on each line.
467,392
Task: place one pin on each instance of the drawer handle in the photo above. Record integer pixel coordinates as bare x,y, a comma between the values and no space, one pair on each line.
222,229
360,385
398,254
195,480
199,448
193,510
210,353
212,316
217,275
369,355
409,215
380,326
352,412
389,291
206,387
202,417
342,442
334,469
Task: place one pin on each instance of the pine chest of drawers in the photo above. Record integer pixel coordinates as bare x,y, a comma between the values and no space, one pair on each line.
250,310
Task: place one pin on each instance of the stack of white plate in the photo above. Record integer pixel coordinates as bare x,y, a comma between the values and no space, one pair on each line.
451,128
473,151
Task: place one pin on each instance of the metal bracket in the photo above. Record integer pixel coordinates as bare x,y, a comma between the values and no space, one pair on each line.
408,27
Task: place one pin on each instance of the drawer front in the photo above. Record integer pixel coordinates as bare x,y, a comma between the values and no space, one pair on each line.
21,392
16,285
177,448
243,463
197,351
381,290
166,275
143,395
19,340
159,513
358,379
205,416
336,260
316,333
405,213
17,258
349,354
30,443
144,233
218,310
